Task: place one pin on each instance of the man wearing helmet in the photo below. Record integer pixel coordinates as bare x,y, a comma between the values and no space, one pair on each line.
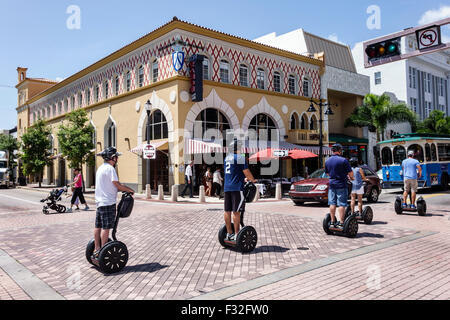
411,172
236,171
338,168
106,187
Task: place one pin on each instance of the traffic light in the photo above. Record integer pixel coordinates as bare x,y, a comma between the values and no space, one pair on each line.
384,49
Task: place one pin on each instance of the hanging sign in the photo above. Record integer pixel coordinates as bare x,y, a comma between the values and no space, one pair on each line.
149,152
429,37
196,75
280,153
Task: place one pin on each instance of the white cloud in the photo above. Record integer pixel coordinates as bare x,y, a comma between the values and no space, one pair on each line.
333,37
59,79
435,14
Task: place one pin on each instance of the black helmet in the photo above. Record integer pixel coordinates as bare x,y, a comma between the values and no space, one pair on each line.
354,162
336,147
235,145
109,153
249,191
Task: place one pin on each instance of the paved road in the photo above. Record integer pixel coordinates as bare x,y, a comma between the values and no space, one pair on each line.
174,253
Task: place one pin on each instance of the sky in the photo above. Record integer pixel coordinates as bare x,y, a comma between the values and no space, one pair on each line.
47,37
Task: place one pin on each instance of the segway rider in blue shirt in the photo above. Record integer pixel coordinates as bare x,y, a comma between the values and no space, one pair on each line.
236,170
338,168
411,172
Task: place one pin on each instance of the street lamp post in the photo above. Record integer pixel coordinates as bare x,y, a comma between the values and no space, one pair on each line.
328,112
148,108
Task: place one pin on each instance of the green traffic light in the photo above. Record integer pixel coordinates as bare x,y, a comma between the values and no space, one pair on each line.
392,48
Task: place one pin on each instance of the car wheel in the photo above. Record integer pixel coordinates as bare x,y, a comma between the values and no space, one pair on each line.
373,195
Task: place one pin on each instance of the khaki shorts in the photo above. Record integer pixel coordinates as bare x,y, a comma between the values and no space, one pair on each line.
411,184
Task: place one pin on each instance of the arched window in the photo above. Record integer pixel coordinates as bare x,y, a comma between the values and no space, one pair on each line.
292,86
264,128
206,68
243,75
399,154
155,71
80,99
60,108
72,103
97,93
294,121
306,87
313,123
418,152
277,81
116,85
427,152
128,80
386,156
303,122
224,71
433,152
110,134
66,105
260,78
212,119
106,89
158,126
88,96
140,78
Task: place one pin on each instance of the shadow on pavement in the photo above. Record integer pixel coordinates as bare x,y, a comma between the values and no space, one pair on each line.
146,267
369,235
378,222
270,249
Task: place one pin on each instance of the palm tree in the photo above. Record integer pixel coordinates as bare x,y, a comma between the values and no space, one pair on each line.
437,122
377,111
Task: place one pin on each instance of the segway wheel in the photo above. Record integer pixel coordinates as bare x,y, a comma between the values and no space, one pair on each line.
398,206
326,224
90,250
113,257
247,239
351,227
421,208
222,234
348,212
367,215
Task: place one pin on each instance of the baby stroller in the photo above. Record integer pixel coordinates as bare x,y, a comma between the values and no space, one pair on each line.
55,195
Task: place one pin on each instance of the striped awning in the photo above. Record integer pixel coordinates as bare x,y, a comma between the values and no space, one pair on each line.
194,146
157,144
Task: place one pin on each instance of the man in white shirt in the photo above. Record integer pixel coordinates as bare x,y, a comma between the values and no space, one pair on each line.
106,187
217,181
188,179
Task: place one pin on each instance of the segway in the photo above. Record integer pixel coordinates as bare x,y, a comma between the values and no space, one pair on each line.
350,229
113,256
247,237
421,206
366,216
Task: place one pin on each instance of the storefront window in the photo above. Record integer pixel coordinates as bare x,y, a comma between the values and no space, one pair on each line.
399,154
386,156
158,127
264,127
418,152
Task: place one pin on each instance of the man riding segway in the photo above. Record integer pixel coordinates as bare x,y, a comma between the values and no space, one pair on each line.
236,171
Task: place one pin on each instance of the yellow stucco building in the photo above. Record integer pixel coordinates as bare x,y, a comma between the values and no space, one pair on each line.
246,85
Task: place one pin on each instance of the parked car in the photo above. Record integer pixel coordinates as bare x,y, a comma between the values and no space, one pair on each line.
315,189
269,185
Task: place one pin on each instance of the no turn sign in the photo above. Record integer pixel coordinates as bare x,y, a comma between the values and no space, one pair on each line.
149,152
429,37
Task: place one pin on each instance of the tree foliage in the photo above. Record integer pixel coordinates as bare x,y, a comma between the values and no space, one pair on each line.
36,149
75,138
377,111
437,123
9,144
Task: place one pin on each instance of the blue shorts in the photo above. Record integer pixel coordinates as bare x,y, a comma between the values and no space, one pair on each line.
337,197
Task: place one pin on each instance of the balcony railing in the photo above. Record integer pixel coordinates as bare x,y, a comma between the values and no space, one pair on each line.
307,136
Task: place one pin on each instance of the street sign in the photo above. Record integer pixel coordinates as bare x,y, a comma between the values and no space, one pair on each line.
149,152
428,37
280,153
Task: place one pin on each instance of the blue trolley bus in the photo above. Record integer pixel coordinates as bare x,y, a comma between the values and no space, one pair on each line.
431,150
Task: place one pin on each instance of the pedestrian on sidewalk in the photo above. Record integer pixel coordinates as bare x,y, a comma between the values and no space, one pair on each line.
106,187
77,190
209,181
188,180
217,183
